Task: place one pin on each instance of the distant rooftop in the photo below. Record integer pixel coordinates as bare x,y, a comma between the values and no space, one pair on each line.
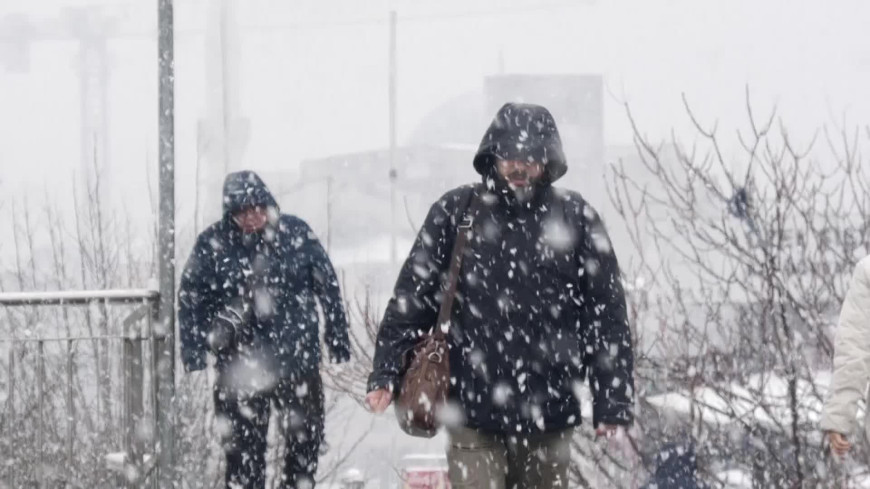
460,121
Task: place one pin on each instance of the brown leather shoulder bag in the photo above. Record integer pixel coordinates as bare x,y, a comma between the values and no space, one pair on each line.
424,387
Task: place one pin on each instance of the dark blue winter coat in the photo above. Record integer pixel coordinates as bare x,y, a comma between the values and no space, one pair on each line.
540,304
282,272
676,468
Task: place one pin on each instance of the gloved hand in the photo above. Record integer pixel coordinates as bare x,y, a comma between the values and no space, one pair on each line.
227,326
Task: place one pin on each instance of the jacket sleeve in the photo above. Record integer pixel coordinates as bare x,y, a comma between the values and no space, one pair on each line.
607,336
325,284
851,356
413,308
196,305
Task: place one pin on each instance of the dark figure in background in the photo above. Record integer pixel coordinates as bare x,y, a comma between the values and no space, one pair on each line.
249,295
676,468
540,307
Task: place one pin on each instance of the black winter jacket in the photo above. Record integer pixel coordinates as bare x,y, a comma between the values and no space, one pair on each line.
540,304
281,272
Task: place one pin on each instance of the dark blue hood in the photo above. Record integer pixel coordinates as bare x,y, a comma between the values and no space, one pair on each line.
246,189
522,132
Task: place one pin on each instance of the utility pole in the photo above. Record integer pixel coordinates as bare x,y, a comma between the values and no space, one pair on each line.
394,258
164,341
222,132
93,33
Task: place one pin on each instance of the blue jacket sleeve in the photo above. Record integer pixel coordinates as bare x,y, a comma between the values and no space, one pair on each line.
196,305
325,284
607,338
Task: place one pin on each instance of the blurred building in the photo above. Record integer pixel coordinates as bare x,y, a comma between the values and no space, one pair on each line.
348,196
355,190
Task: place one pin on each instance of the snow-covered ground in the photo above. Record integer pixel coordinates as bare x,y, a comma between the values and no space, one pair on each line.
763,399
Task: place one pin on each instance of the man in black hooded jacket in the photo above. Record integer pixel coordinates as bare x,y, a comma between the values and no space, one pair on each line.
539,308
249,295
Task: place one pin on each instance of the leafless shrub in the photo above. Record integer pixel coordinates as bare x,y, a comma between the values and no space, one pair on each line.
739,266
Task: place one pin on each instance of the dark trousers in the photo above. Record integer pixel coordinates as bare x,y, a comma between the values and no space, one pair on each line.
243,422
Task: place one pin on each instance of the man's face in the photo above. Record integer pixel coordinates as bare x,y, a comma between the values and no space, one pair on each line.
251,219
520,174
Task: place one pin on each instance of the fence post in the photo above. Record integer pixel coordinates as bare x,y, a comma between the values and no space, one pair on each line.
11,400
152,398
101,422
70,412
133,392
126,421
40,382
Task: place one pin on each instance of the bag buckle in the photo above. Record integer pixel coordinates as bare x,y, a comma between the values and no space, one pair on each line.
467,222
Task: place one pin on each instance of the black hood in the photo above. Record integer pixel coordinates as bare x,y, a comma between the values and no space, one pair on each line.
522,132
246,189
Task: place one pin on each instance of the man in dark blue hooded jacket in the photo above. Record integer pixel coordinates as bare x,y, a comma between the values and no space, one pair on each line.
249,295
539,308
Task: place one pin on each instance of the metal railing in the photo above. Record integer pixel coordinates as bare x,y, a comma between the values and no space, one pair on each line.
80,405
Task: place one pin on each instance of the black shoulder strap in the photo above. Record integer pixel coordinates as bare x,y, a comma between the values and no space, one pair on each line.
471,205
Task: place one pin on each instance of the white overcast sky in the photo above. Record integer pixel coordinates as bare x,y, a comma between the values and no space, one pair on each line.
313,73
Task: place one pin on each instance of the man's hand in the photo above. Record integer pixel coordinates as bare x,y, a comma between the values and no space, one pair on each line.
839,445
606,430
378,401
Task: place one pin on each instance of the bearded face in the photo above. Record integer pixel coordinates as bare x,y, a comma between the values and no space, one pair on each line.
251,219
521,176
